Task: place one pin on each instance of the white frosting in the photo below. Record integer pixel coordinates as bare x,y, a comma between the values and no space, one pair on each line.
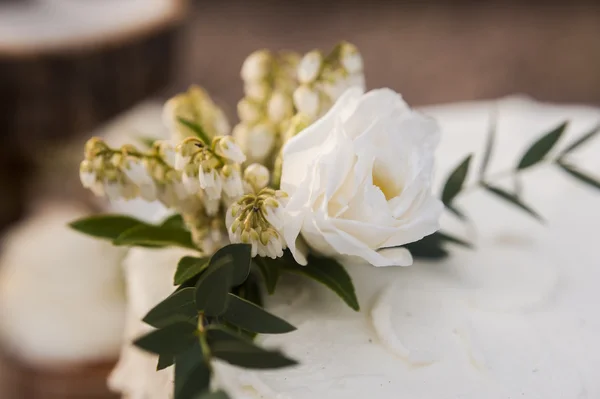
517,317
61,293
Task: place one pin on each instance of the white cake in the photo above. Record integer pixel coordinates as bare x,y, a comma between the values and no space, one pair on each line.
516,317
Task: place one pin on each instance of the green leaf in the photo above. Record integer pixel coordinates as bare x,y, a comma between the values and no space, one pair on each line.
192,373
240,351
445,237
164,361
582,140
253,318
155,235
214,285
270,269
197,129
579,175
169,340
331,274
541,147
189,267
105,226
429,247
214,395
250,290
455,181
147,141
241,255
491,138
458,213
180,306
513,199
175,221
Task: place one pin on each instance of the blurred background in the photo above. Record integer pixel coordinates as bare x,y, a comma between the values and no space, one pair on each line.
73,68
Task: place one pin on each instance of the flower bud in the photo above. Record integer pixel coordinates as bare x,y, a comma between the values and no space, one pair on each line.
306,101
351,58
248,111
256,66
310,66
258,91
226,147
279,107
257,176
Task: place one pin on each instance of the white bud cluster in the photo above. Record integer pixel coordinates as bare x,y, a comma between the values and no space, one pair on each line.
324,79
197,107
258,219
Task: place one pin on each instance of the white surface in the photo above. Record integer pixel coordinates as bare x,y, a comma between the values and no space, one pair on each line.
61,293
54,23
518,317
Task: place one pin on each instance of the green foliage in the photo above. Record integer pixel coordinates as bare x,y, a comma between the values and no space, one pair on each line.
213,286
174,221
164,361
270,269
197,129
538,150
579,175
581,141
213,395
170,340
188,268
454,185
250,317
192,373
105,226
240,351
157,236
491,138
330,273
512,199
433,246
178,307
240,257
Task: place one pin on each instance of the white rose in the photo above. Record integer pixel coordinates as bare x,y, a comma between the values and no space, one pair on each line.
359,180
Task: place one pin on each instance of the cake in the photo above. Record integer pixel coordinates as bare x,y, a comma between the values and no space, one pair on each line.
514,317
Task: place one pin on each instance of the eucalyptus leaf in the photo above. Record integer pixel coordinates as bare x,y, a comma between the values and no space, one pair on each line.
192,374
250,290
164,361
189,267
579,175
155,235
513,199
240,351
241,256
178,307
214,285
270,269
491,138
538,150
455,181
213,395
582,140
197,129
250,317
169,340
175,221
430,247
445,237
330,273
457,212
105,226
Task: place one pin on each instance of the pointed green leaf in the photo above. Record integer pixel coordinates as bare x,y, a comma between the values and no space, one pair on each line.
458,213
513,199
197,129
169,340
155,235
579,175
147,141
541,147
331,274
445,237
253,318
180,306
214,395
241,255
455,181
270,269
192,374
491,138
429,247
250,290
582,140
189,267
105,226
175,221
240,351
164,361
214,285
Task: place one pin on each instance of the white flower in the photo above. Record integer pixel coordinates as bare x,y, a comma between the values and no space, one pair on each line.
87,175
210,182
306,100
136,171
359,180
310,66
256,66
211,206
258,91
232,181
248,111
227,148
279,107
351,58
112,189
257,176
189,179
257,142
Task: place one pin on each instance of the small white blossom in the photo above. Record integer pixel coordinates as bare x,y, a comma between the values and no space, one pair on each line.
256,66
232,181
306,101
189,179
258,91
211,206
227,148
136,171
310,66
248,111
87,175
351,58
210,182
257,176
279,107
256,142
112,189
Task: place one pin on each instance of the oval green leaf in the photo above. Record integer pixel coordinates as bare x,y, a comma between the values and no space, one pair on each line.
214,395
270,269
541,147
105,226
155,235
455,181
179,306
213,286
189,267
192,374
253,318
241,255
169,340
